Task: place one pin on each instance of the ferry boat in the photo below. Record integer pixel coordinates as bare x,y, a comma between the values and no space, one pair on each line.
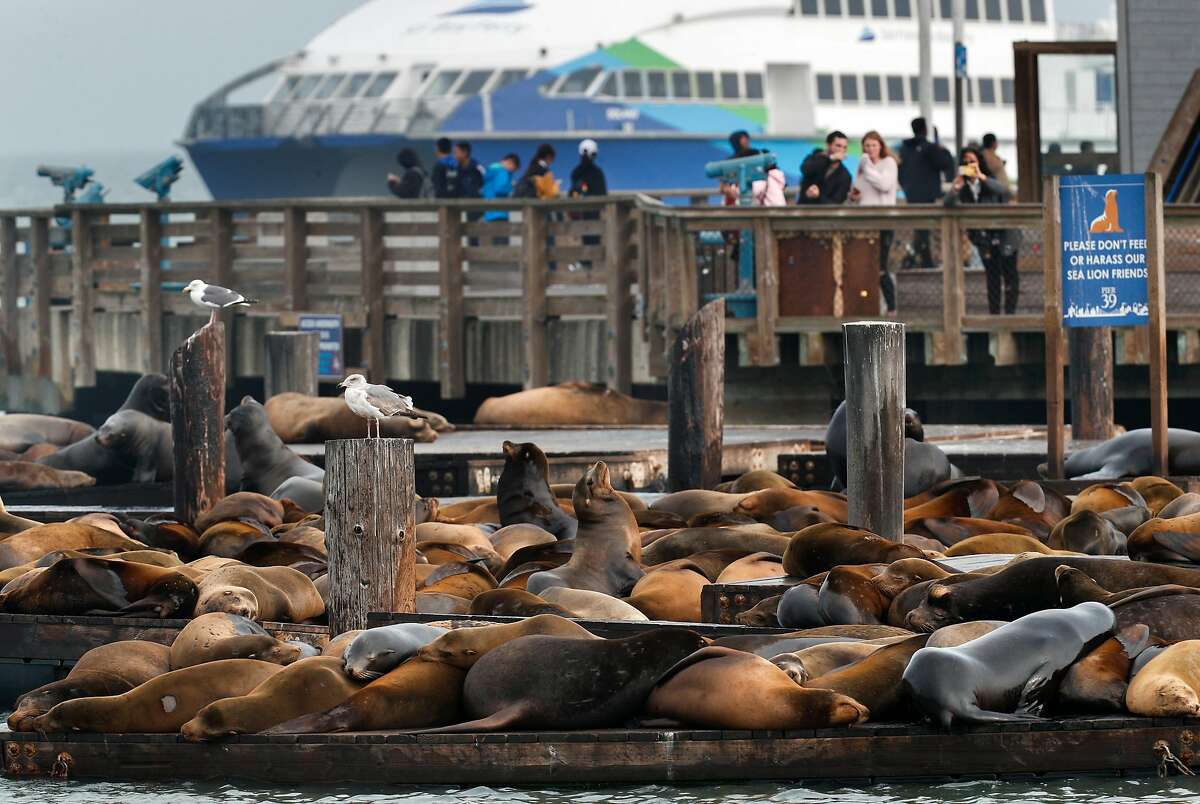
658,84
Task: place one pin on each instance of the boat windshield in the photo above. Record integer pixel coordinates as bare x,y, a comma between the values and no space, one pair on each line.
379,85
352,87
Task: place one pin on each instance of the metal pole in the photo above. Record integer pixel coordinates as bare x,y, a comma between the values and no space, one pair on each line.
960,73
925,82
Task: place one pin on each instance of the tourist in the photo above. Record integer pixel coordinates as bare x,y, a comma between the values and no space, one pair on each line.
470,173
538,180
414,182
769,191
587,179
875,185
445,171
993,162
739,141
997,247
498,183
824,179
923,164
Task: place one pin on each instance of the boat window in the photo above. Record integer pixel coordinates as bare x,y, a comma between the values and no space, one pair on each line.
972,10
633,83
1037,10
306,86
849,86
1016,12
288,87
992,10
609,88
656,84
440,85
947,9
903,8
1006,91
730,86
508,77
879,8
872,88
808,8
329,85
825,87
379,85
475,81
895,88
754,86
987,92
833,8
941,89
706,85
681,84
354,85
914,89
970,85
856,8
1105,94
579,80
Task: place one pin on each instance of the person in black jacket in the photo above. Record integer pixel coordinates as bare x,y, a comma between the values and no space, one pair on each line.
445,171
414,181
923,164
587,179
824,179
470,173
997,247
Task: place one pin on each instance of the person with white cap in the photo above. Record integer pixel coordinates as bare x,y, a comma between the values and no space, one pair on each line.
587,179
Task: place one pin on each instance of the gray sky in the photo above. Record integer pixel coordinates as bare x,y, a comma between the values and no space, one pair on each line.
114,75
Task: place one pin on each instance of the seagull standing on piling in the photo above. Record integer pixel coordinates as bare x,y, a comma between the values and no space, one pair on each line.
215,297
376,402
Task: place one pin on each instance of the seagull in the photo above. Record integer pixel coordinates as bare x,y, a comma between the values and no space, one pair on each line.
215,297
376,402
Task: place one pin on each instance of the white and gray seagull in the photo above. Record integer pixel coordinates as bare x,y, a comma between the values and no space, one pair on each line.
376,402
215,297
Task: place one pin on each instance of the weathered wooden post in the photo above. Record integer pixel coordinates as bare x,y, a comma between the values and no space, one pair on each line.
369,529
1091,375
874,360
198,420
291,363
696,389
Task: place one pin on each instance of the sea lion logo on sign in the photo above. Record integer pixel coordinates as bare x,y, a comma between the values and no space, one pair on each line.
1103,250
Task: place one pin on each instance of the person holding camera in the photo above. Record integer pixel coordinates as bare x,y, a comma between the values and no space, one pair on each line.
876,185
997,247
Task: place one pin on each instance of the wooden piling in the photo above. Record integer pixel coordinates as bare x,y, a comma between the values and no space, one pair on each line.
39,246
1091,373
874,365
369,529
198,420
696,389
291,363
8,312
533,286
150,337
372,286
83,302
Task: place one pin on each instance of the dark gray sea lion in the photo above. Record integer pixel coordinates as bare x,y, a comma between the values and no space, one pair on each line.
151,394
799,607
925,465
1088,532
1009,674
1130,455
306,492
376,651
523,492
20,431
265,460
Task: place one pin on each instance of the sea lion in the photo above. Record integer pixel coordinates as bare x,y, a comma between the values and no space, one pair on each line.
33,543
219,635
925,465
689,541
143,442
230,538
416,695
462,647
514,603
564,491
508,540
109,669
821,547
649,519
552,682
752,567
85,585
1098,681
338,644
1156,491
756,480
1009,674
1030,505
900,575
1130,455
722,688
1086,531
992,543
1171,611
523,494
276,594
163,531
463,579
11,523
690,502
448,533
307,686
847,596
1168,685
242,505
951,530
436,553
163,704
377,651
20,431
307,493
265,460
972,497
151,395
25,476
798,517
1181,506
799,606
764,613
670,595
1101,497
821,659
589,605
951,636
303,419
438,603
1176,539
874,680
765,504
608,546
569,403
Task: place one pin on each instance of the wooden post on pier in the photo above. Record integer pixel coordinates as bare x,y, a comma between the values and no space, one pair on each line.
1091,375
369,529
10,288
198,420
696,389
874,365
291,363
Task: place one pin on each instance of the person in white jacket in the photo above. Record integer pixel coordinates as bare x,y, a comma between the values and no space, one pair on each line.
875,185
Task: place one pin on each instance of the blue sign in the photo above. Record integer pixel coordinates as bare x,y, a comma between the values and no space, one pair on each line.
1104,250
329,358
960,60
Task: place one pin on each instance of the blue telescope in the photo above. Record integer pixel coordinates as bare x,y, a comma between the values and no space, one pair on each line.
742,171
159,178
71,179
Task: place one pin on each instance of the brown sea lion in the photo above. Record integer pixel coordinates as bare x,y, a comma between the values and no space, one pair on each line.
451,533
438,603
37,451
564,491
756,480
949,531
689,541
821,659
690,502
990,543
523,493
764,613
966,497
26,476
1098,681
1085,531
508,540
821,547
711,563
951,636
229,539
658,520
798,517
848,596
85,585
1169,684
671,595
436,553
20,431
33,543
514,603
1156,491
463,647
242,505
900,575
765,504
218,635
722,688
716,519
307,686
569,403
276,594
1181,506
302,419
163,531
110,669
10,523
416,695
588,605
1101,497
163,704
752,567
874,680
1176,539
608,546
458,578
307,536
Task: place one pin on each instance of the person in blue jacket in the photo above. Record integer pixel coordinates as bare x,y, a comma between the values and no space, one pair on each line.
498,183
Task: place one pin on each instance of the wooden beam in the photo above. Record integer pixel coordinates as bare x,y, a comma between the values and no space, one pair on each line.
150,333
1091,375
948,344
295,258
451,321
39,246
1052,323
11,288
221,252
83,305
372,286
198,421
619,302
533,275
1156,298
764,345
696,390
291,365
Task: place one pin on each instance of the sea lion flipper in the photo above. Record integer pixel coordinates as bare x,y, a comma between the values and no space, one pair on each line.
104,582
711,652
1134,639
508,716
1033,694
1185,544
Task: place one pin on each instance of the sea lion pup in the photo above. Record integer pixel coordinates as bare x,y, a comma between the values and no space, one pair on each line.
218,635
721,688
669,594
275,594
1098,681
821,547
416,695
569,403
109,669
551,682
377,651
1086,531
821,659
462,647
523,493
588,605
85,585
608,546
1169,684
305,687
242,505
33,543
1009,674
163,704
514,603
874,680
